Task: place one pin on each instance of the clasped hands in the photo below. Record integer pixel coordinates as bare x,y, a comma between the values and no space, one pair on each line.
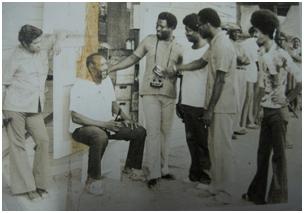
114,126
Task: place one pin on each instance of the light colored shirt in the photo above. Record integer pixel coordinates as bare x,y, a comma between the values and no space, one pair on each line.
92,100
274,66
194,82
24,78
251,49
166,54
221,56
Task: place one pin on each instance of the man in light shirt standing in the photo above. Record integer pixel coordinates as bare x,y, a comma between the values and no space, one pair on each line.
193,106
158,94
221,100
23,97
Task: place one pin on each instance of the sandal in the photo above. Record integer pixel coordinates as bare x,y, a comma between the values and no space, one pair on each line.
33,196
42,192
257,202
246,197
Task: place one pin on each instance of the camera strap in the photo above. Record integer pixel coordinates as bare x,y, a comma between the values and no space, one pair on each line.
156,46
180,90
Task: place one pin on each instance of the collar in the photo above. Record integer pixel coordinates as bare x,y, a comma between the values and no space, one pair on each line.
217,36
271,58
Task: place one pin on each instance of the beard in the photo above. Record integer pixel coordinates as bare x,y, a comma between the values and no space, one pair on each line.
191,39
205,34
260,43
163,35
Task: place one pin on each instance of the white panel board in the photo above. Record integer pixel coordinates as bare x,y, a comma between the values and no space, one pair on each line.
65,75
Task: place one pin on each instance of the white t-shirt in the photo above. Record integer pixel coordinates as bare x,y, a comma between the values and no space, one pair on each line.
251,49
194,82
92,100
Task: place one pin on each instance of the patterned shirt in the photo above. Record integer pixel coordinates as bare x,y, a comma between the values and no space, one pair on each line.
274,66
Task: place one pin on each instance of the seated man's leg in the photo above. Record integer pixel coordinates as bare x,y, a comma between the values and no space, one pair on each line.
97,140
137,138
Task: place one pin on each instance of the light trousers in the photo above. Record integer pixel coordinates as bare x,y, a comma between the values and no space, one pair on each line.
23,177
241,97
158,112
247,113
222,153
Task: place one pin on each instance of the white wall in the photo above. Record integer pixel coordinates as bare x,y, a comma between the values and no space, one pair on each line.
14,16
70,18
148,17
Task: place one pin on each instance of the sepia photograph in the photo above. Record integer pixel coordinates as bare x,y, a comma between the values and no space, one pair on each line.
151,106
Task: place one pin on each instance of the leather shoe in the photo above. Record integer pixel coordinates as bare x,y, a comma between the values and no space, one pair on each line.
168,177
248,198
152,183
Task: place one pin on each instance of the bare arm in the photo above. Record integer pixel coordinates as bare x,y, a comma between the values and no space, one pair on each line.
216,93
127,122
292,94
194,65
83,120
115,110
294,56
217,89
258,113
127,62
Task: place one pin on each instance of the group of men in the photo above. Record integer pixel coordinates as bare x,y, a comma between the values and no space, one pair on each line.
209,103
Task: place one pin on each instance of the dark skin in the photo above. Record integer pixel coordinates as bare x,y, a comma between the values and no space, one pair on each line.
97,72
163,32
216,93
199,64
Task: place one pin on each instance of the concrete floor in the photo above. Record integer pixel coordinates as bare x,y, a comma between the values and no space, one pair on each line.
66,190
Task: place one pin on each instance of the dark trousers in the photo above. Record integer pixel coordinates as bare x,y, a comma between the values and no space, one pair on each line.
97,139
272,138
197,140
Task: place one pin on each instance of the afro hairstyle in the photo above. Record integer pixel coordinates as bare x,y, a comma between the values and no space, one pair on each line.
266,21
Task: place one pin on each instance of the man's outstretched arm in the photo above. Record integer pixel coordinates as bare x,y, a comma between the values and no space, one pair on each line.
127,62
192,66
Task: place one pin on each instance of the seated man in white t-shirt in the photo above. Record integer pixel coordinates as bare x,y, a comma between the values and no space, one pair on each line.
92,105
193,94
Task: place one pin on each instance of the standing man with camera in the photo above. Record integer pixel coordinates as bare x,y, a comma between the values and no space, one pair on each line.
158,93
